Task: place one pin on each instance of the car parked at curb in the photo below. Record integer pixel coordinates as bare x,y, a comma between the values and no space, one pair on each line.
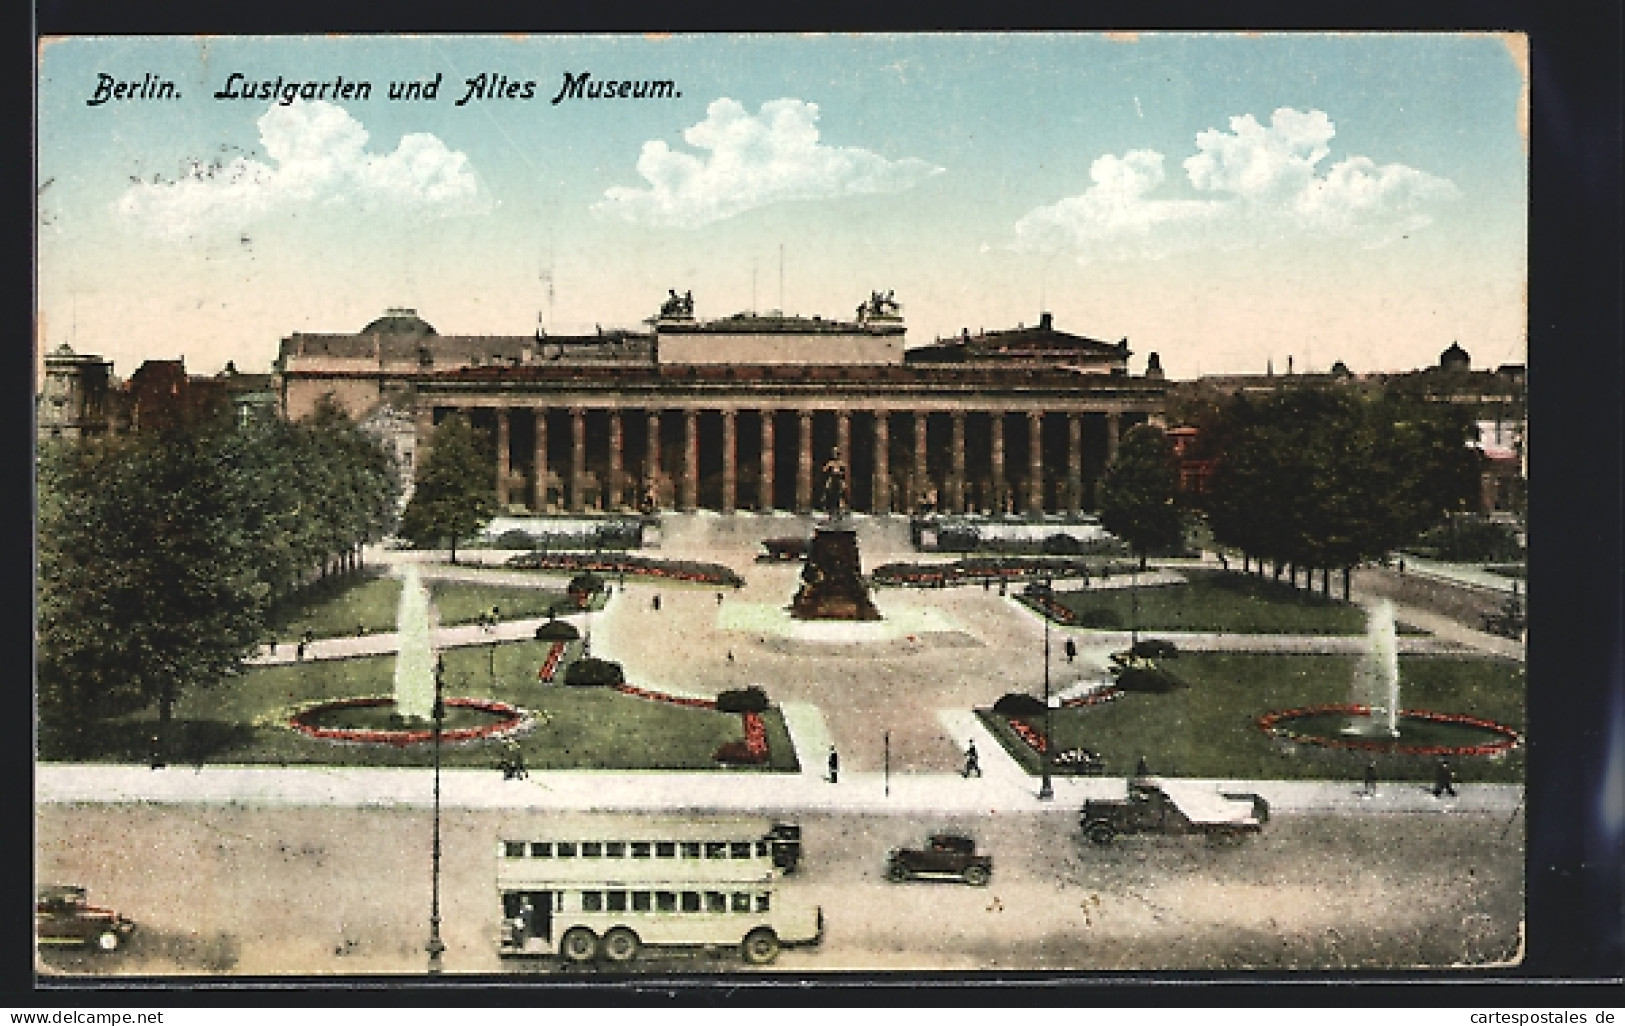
945,857
1153,806
63,917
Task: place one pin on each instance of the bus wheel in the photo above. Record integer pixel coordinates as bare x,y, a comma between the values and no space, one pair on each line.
578,945
107,941
1101,832
761,946
621,945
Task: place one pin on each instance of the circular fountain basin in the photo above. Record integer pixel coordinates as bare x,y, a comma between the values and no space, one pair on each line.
374,721
1420,732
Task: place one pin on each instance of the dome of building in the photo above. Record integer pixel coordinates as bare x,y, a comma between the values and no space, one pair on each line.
399,321
1455,358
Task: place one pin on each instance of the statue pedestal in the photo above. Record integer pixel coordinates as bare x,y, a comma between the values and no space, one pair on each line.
832,585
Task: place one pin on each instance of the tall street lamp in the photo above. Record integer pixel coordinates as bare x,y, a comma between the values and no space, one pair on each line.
436,947
1046,787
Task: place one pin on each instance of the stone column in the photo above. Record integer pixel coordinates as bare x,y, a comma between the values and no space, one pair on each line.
764,496
730,469
504,460
1074,463
691,459
882,501
843,437
997,460
956,485
922,470
578,459
651,459
539,486
1114,428
1035,463
804,463
617,446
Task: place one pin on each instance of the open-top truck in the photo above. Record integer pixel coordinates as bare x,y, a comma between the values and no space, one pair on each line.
1159,806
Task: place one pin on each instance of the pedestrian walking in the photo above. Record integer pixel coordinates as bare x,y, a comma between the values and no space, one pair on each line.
730,657
1402,566
1142,768
834,765
1370,778
655,603
360,630
719,598
299,651
1071,650
973,761
273,646
1444,781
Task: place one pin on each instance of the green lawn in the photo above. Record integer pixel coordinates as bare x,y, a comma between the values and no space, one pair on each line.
1209,729
1230,603
243,719
371,602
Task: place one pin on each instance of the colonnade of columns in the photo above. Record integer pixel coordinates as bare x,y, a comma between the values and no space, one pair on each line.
927,480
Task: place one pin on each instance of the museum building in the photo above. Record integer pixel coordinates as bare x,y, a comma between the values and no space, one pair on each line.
735,413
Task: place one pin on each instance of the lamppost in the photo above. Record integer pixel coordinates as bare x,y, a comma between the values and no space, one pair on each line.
436,947
1046,787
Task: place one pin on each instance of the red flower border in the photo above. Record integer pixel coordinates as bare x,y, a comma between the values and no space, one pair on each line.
511,719
1271,723
550,664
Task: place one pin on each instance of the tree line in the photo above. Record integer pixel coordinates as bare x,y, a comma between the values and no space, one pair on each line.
1305,478
163,556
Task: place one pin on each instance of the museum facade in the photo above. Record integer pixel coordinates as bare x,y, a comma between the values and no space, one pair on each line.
735,413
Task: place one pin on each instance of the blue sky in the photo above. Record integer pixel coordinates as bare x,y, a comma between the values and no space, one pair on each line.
1223,200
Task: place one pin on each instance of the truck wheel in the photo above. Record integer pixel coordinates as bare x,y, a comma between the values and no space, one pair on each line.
1101,832
621,945
107,942
896,873
761,946
578,945
977,876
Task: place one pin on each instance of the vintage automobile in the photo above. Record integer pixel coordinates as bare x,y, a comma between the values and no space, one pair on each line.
62,917
1153,806
945,857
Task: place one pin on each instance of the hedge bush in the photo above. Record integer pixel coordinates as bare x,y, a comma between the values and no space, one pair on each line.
591,671
1017,704
742,700
557,630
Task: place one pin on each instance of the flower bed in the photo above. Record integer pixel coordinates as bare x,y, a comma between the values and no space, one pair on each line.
1034,739
550,664
693,703
1045,605
1106,694
977,570
506,720
1279,725
639,566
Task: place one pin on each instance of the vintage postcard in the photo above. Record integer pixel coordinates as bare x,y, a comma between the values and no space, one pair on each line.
579,506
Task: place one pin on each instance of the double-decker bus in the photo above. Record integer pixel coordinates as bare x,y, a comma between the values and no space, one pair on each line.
587,891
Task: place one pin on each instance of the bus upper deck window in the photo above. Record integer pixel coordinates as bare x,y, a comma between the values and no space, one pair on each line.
615,850
716,849
666,849
640,849
566,849
541,849
592,849
513,849
739,849
691,849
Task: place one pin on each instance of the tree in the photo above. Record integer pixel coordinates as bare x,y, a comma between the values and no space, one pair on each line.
1139,496
454,494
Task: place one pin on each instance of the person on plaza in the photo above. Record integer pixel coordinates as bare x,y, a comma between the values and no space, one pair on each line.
299,651
360,630
1142,768
730,656
1071,650
834,765
1370,778
655,603
1444,781
973,761
719,598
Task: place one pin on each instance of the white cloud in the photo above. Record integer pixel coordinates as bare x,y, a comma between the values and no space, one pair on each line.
750,161
317,154
1253,183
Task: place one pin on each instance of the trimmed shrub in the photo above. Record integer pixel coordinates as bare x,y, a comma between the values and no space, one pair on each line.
1017,704
557,630
514,539
1062,545
1099,618
742,700
585,584
593,672
1154,648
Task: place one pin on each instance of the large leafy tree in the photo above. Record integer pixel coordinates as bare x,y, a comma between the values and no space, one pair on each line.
454,494
1139,496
